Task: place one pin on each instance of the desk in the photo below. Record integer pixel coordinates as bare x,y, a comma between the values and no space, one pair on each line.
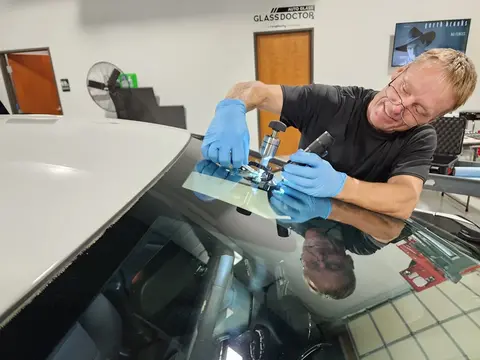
470,141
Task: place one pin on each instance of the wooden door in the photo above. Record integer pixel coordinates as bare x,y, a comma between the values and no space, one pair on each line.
283,58
34,83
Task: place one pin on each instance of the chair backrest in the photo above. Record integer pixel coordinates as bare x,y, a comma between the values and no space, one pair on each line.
141,104
97,335
174,115
136,104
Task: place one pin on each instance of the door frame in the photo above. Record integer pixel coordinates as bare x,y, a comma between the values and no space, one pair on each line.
258,33
12,97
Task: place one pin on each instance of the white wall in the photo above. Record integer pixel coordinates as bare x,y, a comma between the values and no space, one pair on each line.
191,52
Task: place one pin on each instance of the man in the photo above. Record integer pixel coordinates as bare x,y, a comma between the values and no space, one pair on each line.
383,143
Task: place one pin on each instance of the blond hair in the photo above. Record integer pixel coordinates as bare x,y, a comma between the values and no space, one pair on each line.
459,69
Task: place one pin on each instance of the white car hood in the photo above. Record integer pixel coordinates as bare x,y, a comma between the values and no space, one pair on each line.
63,181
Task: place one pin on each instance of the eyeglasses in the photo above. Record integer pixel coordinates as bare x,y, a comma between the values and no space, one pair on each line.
317,258
394,97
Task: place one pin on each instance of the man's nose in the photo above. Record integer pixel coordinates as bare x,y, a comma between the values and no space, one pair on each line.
397,109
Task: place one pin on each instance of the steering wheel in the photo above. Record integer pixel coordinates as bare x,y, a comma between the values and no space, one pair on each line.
219,279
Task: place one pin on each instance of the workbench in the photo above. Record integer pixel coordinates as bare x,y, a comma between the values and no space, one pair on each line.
455,185
471,141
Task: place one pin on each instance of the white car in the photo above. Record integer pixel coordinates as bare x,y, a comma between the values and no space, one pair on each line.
119,242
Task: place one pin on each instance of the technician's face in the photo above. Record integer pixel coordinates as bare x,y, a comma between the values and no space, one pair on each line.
417,95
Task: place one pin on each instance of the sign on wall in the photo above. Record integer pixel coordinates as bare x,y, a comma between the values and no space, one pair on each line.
127,80
287,16
65,85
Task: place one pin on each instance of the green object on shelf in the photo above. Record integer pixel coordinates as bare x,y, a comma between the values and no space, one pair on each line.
128,80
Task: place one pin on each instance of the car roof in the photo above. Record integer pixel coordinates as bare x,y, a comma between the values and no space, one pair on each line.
64,180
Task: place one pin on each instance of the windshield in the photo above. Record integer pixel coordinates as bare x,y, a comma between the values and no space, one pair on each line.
205,266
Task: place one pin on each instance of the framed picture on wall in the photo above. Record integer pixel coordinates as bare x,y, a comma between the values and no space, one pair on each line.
413,38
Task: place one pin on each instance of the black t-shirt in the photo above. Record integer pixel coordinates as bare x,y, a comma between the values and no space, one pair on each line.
359,150
352,239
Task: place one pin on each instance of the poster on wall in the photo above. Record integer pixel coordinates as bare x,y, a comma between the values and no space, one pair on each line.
65,85
128,80
414,38
286,17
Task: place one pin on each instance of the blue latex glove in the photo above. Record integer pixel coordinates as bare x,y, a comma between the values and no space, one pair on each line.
209,168
317,179
299,206
227,140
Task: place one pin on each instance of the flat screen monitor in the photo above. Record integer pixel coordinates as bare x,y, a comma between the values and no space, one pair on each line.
412,39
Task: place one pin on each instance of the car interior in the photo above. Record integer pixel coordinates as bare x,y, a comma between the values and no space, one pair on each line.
182,294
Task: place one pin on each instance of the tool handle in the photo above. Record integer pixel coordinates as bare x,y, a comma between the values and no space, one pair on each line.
277,126
320,146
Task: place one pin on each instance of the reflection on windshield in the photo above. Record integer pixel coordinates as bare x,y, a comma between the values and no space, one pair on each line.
243,286
216,267
327,268
227,269
329,228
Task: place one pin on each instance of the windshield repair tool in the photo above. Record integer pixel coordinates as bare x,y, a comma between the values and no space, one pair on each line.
268,150
259,174
319,146
271,143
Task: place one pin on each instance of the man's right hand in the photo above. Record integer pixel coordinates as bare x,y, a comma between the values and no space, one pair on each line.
227,141
300,207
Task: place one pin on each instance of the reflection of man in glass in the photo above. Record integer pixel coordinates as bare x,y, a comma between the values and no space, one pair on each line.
330,229
416,44
326,266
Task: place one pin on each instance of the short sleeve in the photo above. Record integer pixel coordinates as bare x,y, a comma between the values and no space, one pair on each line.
307,104
417,154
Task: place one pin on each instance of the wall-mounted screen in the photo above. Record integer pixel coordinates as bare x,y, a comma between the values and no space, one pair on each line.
412,39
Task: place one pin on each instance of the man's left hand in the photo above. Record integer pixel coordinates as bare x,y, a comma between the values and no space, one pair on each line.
318,178
207,167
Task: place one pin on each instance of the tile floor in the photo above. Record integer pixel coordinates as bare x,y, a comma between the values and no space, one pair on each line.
441,323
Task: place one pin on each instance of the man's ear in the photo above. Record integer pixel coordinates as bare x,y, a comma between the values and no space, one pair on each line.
397,72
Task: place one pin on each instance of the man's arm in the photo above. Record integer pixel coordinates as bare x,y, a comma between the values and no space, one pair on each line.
301,107
398,197
382,228
257,95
